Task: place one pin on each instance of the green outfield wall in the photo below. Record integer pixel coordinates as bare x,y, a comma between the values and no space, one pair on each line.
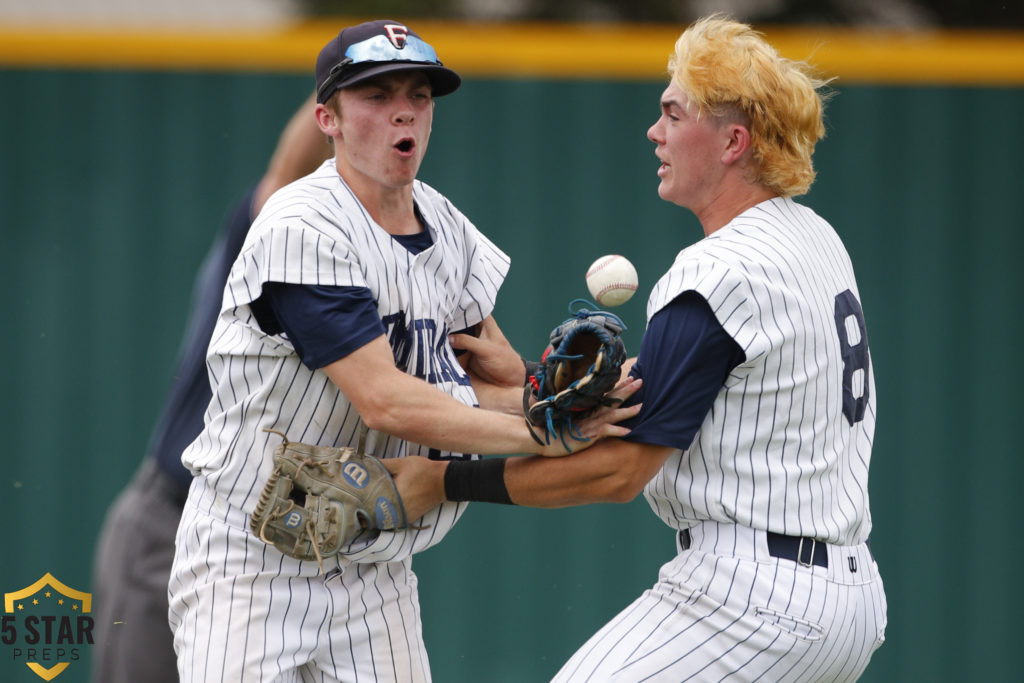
113,181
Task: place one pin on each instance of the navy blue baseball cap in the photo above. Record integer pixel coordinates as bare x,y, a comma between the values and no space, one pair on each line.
377,47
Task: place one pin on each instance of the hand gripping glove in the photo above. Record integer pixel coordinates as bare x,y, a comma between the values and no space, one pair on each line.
319,499
579,367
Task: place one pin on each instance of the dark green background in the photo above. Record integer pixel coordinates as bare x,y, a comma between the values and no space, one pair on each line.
113,183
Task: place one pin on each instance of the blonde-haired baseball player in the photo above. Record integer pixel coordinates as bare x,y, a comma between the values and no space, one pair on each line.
336,319
754,439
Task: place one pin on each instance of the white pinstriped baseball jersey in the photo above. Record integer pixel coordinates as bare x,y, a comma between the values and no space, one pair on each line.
784,448
315,232
787,442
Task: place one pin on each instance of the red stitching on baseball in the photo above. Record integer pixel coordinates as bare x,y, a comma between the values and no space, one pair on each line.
616,285
600,266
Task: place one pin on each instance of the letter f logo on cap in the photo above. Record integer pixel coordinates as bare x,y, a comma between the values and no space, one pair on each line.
397,34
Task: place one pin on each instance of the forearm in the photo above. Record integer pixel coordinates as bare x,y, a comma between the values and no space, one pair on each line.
612,471
414,410
390,401
501,399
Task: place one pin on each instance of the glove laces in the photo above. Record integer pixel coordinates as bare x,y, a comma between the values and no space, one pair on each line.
581,309
583,313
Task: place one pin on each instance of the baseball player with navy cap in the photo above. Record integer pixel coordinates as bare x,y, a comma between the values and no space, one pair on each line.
755,436
336,324
374,48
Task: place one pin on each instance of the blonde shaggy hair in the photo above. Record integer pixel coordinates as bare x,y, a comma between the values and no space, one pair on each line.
727,69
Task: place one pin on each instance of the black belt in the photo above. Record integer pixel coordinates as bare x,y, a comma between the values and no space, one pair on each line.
805,551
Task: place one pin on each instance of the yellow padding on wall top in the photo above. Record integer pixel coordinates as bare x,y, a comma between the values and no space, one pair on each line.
532,50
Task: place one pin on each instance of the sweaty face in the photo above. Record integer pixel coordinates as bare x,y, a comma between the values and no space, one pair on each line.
385,126
690,150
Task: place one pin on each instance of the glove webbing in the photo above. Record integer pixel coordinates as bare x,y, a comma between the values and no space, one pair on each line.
611,322
573,429
311,530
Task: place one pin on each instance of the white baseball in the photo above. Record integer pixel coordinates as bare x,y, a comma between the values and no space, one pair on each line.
612,280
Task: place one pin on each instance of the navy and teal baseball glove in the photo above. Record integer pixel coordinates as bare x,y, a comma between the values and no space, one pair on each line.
580,366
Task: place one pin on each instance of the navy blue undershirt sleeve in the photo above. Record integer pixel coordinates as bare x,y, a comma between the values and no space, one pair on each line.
326,323
685,357
323,323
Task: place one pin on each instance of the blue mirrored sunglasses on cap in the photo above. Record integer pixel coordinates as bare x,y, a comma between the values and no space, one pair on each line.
380,49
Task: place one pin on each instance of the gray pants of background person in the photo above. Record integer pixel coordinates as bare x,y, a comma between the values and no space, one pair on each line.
133,641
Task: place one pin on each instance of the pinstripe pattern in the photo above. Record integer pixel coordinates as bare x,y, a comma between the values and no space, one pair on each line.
225,582
727,610
357,623
785,448
776,451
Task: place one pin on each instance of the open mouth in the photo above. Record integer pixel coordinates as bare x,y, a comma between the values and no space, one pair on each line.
405,146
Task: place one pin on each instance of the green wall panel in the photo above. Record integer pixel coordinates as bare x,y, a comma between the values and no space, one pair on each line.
112,184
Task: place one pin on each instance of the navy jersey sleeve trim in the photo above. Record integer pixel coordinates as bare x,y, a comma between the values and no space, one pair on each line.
323,323
685,357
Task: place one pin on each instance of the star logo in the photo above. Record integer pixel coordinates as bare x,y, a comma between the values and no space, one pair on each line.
48,624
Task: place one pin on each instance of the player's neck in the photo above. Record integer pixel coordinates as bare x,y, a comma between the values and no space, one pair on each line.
392,209
397,215
727,205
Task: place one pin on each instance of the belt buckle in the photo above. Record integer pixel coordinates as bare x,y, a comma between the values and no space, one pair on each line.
800,553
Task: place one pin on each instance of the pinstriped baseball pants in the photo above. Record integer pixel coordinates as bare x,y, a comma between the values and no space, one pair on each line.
243,612
725,609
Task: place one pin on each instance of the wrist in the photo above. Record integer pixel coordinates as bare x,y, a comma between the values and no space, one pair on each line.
481,481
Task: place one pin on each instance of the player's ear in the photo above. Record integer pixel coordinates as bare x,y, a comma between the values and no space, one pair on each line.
737,142
328,120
